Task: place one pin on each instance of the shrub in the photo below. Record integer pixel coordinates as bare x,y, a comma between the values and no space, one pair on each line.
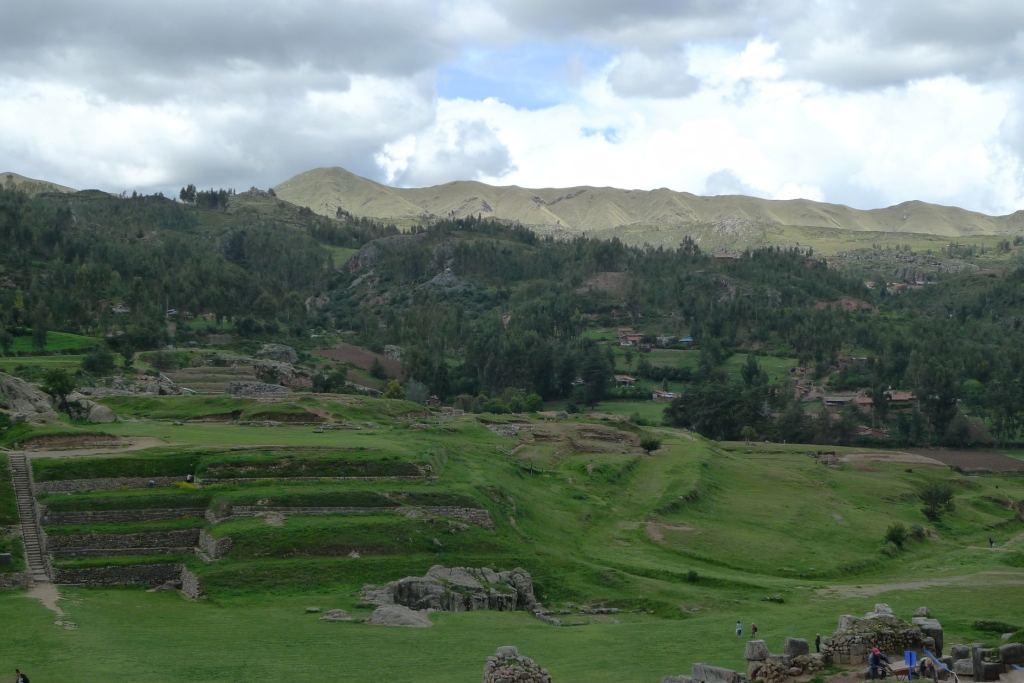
896,534
99,362
650,444
692,576
937,497
394,390
533,403
377,369
917,532
890,549
994,626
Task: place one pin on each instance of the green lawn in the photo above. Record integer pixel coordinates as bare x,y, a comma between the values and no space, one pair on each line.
10,365
55,341
697,533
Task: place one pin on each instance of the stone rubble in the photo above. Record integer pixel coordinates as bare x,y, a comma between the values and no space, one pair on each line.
508,666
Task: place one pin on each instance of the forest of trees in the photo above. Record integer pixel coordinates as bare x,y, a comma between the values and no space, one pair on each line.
514,321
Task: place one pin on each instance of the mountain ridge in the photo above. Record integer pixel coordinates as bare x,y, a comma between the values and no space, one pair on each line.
597,210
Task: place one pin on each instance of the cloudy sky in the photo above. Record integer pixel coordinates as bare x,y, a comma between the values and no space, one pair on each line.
862,102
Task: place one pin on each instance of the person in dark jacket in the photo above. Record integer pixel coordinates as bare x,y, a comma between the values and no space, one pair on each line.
817,642
875,660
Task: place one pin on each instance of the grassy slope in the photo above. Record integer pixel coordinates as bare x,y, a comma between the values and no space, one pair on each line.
760,519
55,341
9,517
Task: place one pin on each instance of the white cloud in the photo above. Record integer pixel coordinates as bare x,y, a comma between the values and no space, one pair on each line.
857,102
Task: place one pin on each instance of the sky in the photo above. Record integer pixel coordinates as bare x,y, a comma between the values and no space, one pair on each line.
864,103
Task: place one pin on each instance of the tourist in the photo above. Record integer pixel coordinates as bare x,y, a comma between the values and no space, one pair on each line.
817,642
991,542
739,629
753,630
875,660
20,677
927,669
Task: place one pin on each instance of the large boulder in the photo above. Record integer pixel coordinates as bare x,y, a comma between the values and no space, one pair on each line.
279,352
756,650
796,647
285,374
932,629
963,667
715,674
958,652
508,666
82,408
28,402
1012,653
457,589
922,612
399,615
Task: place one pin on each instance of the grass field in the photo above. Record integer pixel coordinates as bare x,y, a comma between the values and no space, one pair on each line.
696,533
55,341
21,365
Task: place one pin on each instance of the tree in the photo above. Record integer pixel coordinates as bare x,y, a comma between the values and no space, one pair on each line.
533,403
749,434
650,444
394,390
6,340
896,534
99,362
40,325
378,370
752,373
58,383
937,497
596,374
188,194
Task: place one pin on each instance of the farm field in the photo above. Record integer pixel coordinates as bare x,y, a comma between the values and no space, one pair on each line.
55,341
692,536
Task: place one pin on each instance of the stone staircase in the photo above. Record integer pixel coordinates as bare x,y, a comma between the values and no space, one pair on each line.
31,534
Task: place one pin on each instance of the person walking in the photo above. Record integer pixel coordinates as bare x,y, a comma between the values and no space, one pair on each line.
991,542
20,677
739,629
753,631
817,642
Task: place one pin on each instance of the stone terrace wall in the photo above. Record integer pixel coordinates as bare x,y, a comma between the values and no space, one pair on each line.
477,516
129,575
190,584
101,484
854,648
17,580
83,545
215,548
116,516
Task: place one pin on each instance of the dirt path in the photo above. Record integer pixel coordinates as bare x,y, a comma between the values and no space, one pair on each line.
891,456
137,443
979,579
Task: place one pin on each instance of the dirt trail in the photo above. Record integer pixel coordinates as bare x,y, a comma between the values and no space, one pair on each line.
137,443
979,579
890,456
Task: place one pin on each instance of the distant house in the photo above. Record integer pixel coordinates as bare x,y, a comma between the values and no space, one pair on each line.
686,341
839,401
864,402
660,395
900,396
578,382
628,336
624,380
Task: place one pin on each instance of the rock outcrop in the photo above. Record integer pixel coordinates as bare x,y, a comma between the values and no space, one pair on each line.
279,352
399,615
285,374
508,666
457,589
82,408
447,282
29,403
336,615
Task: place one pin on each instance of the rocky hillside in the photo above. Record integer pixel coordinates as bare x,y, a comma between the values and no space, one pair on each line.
598,210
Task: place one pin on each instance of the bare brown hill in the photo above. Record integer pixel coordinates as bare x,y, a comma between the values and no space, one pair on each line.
599,211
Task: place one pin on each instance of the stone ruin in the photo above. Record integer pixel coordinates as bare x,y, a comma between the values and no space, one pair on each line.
508,666
457,589
856,636
985,664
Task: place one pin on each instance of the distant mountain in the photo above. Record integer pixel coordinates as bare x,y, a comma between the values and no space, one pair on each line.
31,185
636,214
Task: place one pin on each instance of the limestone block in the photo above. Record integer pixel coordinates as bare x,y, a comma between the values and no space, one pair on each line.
958,652
715,674
1011,653
756,650
963,667
922,612
795,647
